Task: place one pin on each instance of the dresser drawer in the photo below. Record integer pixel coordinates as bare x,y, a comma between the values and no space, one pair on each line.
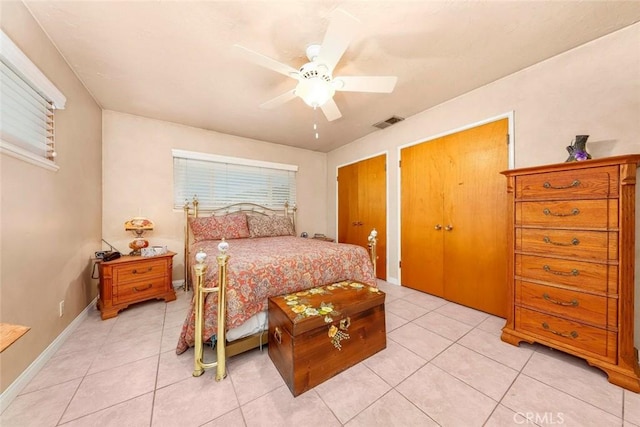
600,214
582,275
587,245
574,305
597,182
567,333
139,290
140,270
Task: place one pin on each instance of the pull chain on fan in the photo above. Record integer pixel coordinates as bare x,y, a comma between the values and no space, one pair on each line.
315,122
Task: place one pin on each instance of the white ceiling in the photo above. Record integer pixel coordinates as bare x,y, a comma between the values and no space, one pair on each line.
174,60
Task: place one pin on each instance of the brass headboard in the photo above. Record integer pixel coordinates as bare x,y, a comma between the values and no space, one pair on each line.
193,210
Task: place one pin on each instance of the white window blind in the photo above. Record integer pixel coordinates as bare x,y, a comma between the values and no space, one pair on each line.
220,181
27,103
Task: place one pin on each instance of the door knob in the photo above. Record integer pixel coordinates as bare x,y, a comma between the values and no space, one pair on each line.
438,227
448,227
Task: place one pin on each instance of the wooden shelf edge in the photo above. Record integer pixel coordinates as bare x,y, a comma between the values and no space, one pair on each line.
10,333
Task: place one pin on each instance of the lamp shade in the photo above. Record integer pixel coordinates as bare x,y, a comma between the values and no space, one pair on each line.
138,223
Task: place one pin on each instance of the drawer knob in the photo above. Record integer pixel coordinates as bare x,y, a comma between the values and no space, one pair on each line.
135,288
574,211
277,334
438,227
548,185
572,303
574,242
572,334
448,227
135,271
573,272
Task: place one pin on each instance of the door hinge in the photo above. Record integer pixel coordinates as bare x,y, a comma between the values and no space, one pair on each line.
507,139
337,179
399,264
399,163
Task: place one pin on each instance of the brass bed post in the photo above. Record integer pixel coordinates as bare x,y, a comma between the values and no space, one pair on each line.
373,242
200,291
187,272
291,214
186,245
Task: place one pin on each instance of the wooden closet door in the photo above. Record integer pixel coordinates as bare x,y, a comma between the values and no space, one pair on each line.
372,197
348,231
454,182
475,246
422,203
362,206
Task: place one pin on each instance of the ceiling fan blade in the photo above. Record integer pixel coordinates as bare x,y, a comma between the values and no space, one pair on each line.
279,100
265,61
331,111
341,30
379,84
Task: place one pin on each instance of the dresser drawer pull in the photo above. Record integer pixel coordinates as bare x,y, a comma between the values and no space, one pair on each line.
135,271
135,289
575,183
572,334
572,303
277,334
573,272
574,242
574,211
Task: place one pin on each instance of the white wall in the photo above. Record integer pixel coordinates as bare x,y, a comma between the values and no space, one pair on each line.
593,90
137,177
50,221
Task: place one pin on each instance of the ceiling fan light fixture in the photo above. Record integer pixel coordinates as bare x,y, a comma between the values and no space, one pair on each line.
315,91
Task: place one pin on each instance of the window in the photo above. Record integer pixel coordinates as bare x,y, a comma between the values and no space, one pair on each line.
27,103
220,181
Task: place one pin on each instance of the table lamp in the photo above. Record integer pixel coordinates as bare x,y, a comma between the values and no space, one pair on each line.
138,225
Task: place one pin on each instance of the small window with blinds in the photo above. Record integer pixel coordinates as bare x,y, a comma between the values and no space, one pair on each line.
27,103
219,181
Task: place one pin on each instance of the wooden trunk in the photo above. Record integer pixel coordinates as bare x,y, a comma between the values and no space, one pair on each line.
318,333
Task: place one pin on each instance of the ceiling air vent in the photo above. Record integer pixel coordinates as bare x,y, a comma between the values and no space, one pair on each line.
390,121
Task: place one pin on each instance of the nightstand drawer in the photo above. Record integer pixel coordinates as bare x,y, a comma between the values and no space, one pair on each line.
567,333
140,270
601,214
588,245
582,275
574,305
139,290
598,182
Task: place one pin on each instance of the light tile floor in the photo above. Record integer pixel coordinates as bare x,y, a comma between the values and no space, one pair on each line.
444,365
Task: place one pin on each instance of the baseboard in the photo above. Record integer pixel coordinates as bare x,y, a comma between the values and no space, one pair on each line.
28,374
392,280
177,284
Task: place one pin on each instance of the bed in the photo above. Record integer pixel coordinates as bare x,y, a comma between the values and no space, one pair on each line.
236,258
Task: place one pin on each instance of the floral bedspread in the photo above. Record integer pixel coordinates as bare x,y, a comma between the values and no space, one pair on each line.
260,268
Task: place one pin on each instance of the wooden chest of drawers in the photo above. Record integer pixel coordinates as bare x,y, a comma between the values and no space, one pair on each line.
572,263
131,279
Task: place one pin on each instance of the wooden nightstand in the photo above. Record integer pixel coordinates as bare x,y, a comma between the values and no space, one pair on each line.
131,279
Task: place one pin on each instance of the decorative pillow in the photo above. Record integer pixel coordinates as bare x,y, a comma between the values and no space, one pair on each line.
232,226
270,226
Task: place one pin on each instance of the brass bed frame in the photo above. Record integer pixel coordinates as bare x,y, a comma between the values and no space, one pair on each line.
224,349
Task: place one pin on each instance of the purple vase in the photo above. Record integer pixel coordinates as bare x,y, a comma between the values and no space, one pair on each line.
578,149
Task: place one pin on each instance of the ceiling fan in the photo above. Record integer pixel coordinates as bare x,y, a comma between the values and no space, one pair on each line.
316,84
